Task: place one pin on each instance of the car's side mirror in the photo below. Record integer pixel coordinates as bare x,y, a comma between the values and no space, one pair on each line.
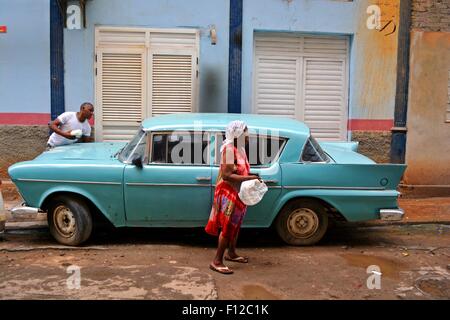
137,161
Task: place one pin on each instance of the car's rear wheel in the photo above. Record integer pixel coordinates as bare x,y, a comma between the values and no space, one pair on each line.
69,220
302,222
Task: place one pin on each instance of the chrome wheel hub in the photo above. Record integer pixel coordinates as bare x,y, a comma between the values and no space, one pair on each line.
64,221
303,223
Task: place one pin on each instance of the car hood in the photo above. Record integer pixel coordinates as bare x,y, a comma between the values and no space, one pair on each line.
82,151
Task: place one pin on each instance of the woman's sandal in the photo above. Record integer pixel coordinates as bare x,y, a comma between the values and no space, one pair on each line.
237,259
223,270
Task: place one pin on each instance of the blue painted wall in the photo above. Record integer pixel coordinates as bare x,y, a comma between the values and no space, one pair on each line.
25,56
79,44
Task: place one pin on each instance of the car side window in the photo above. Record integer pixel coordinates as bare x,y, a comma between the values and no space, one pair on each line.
186,148
312,152
261,150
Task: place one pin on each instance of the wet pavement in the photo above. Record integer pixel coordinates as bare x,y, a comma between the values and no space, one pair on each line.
414,262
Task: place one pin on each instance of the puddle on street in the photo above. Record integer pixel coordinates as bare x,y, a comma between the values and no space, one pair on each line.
435,286
256,292
388,267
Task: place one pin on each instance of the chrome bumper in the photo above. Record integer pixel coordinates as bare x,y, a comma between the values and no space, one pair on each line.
25,210
392,214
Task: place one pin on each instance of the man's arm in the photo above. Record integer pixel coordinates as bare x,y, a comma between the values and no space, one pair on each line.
54,125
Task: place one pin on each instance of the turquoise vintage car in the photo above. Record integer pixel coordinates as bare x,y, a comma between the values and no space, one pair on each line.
141,184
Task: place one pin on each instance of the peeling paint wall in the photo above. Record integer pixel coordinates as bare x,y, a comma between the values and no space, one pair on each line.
375,62
428,139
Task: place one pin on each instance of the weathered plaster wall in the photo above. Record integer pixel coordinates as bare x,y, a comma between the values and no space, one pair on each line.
374,62
20,143
428,139
374,144
431,15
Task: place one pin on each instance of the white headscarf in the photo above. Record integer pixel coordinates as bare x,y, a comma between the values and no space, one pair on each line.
234,130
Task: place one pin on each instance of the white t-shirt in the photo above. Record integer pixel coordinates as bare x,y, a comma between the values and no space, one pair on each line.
69,122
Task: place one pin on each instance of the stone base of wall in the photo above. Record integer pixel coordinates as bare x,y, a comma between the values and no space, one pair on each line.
374,144
20,143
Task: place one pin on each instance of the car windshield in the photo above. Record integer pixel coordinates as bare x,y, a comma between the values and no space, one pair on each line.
313,152
131,146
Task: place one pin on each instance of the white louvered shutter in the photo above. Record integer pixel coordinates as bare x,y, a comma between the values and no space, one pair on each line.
324,105
121,85
143,72
277,75
172,83
276,86
305,78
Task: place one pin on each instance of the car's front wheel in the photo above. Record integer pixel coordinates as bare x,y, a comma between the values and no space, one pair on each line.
302,222
69,220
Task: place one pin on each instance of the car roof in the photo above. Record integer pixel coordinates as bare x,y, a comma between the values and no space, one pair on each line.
219,121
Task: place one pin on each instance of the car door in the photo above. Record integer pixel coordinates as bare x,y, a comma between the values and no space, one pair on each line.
263,152
173,188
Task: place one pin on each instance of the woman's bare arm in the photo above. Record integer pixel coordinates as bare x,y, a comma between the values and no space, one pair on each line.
228,168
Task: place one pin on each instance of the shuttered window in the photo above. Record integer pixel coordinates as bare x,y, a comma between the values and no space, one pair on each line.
171,83
323,98
121,89
304,78
142,73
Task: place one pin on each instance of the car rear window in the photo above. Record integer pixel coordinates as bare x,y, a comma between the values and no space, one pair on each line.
312,152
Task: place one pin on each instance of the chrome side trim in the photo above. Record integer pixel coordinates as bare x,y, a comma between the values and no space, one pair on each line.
137,184
334,188
70,181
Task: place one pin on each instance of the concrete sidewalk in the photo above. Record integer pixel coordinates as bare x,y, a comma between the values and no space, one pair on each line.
417,210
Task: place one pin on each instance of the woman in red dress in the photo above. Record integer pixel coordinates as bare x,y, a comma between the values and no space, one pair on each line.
228,211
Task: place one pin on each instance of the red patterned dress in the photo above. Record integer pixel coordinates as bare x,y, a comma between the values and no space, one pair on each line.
228,210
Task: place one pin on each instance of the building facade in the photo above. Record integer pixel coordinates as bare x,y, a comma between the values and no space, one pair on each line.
428,142
330,63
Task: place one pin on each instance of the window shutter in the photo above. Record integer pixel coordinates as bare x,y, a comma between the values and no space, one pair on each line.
276,75
172,83
324,94
303,77
143,72
121,93
276,83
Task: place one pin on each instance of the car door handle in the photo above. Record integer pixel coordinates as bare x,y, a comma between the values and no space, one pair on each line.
203,178
270,181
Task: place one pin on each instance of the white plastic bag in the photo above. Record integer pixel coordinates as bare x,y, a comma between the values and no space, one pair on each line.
77,133
252,191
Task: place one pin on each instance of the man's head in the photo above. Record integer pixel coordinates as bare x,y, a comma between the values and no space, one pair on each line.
86,110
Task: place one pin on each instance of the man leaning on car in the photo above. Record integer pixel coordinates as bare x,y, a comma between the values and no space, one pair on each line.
70,127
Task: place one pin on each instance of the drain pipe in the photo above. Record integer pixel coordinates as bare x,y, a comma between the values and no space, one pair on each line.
235,57
398,140
56,59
